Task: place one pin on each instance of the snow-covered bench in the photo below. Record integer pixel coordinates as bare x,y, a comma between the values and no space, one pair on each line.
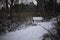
37,19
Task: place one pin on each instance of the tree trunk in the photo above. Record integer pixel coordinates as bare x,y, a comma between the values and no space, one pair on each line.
11,8
6,5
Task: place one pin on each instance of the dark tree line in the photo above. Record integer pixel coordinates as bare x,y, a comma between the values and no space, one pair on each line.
47,8
25,8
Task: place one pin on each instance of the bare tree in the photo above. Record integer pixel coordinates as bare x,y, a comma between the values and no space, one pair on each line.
11,7
6,4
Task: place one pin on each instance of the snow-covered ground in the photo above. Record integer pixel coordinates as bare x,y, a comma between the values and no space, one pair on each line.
30,33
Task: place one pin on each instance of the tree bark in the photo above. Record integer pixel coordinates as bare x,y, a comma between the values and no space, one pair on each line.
11,7
7,5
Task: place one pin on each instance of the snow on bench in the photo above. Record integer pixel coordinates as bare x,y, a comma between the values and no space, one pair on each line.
37,19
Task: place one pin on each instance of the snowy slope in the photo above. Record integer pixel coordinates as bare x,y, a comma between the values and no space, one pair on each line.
30,33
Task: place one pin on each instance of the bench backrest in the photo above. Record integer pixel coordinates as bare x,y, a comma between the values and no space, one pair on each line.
37,18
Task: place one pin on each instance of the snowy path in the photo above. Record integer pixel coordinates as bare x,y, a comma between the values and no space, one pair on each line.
30,33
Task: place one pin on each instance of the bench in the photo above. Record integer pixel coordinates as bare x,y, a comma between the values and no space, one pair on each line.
37,19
